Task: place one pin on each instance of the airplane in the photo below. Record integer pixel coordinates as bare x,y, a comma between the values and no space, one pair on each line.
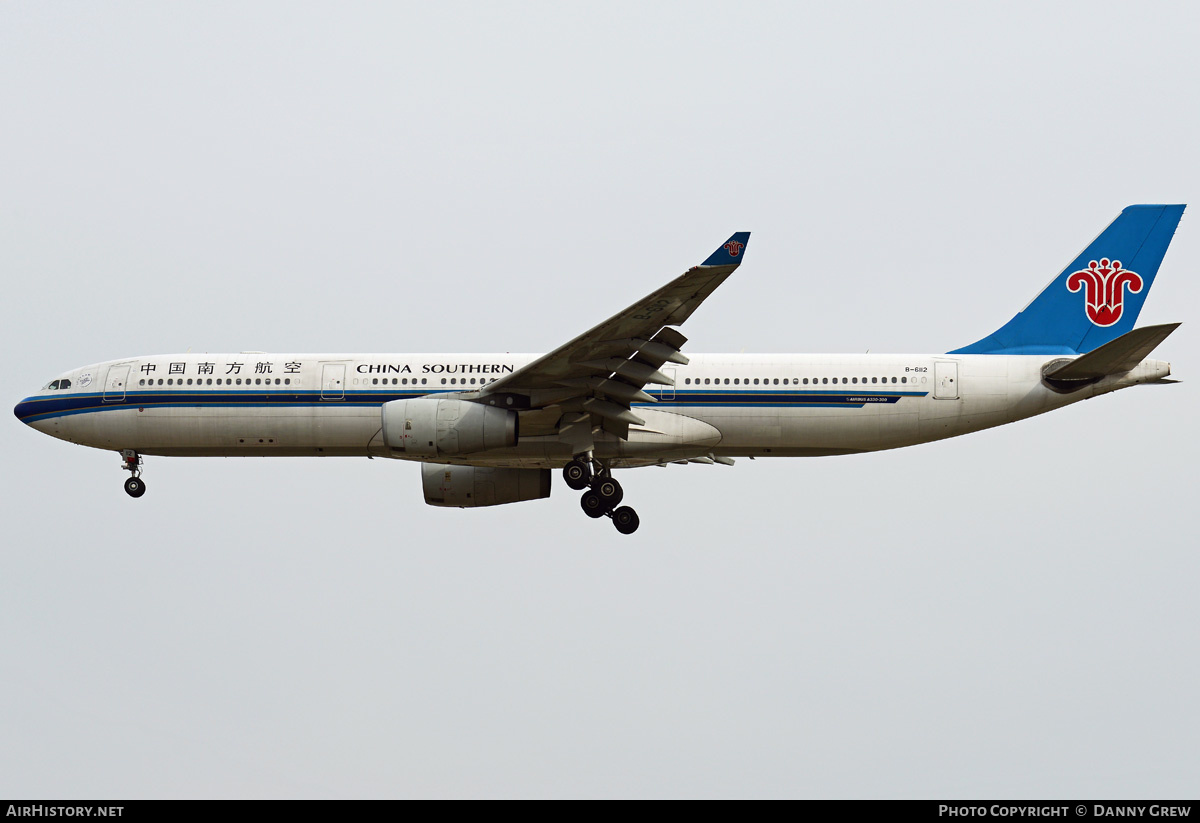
490,429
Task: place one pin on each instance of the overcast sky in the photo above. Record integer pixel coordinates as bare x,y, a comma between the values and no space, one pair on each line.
1008,614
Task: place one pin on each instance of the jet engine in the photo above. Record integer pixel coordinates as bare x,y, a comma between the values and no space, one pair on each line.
428,427
471,486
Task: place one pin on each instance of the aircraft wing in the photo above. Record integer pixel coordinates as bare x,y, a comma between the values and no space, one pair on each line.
593,379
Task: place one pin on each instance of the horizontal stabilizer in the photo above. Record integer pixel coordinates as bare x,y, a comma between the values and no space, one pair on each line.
1115,357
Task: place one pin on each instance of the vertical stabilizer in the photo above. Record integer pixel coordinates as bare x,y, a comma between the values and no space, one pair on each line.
1098,297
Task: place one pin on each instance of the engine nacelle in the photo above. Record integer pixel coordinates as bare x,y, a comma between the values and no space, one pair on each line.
428,427
471,486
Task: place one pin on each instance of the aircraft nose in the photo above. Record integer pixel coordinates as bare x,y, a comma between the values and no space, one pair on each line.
24,409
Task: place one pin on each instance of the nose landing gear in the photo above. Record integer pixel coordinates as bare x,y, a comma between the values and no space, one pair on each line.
131,462
604,493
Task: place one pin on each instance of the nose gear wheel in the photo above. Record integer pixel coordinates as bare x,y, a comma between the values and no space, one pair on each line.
131,462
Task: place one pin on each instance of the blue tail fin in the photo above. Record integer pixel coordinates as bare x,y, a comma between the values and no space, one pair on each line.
1098,297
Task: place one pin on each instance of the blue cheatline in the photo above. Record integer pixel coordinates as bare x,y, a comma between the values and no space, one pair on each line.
1094,300
33,409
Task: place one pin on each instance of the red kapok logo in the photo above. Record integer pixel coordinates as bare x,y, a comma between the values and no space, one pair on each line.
1105,283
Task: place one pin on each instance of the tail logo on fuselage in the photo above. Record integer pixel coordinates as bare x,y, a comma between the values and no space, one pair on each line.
734,247
1105,283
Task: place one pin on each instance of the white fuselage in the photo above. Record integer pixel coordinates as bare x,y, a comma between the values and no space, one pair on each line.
730,405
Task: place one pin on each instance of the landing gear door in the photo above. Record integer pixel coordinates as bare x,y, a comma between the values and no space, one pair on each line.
333,381
114,385
945,380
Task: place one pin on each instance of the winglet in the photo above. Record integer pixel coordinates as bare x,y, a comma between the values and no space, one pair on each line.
731,251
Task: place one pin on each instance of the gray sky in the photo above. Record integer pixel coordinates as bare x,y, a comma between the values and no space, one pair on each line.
1008,614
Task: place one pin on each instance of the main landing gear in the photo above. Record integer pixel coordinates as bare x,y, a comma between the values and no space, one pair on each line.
131,462
604,493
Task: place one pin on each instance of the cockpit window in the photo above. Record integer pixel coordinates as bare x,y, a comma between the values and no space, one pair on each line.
64,384
53,385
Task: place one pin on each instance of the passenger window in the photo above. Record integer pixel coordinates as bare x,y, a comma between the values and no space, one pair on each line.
855,379
443,381
239,381
756,381
287,381
903,379
776,381
160,382
726,381
706,381
687,381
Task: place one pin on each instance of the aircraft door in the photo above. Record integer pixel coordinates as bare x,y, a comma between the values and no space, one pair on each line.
945,380
114,385
667,392
333,381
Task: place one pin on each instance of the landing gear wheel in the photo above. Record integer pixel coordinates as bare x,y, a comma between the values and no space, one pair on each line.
134,487
593,505
577,475
626,520
609,490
